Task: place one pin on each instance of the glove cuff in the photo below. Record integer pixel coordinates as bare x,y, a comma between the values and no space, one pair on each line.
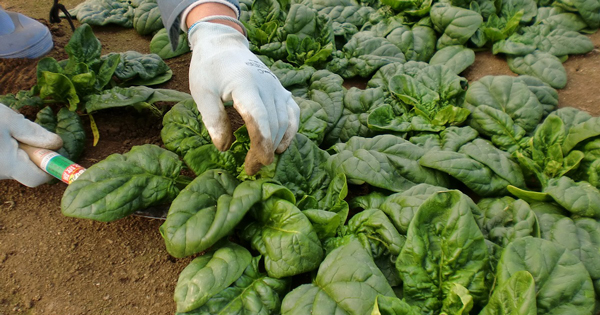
205,35
213,18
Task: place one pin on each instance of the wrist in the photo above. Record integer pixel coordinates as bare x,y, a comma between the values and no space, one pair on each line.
205,10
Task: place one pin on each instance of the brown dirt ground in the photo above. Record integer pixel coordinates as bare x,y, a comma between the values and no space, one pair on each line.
51,264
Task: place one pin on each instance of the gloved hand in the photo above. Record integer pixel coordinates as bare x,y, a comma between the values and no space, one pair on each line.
224,69
14,162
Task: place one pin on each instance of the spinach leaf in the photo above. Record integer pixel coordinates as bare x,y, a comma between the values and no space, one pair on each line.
587,9
146,18
542,65
103,12
313,120
137,96
562,285
515,296
417,43
506,94
358,104
326,89
483,168
310,181
183,129
364,54
253,292
555,41
21,98
347,281
123,183
456,24
503,220
386,305
83,47
204,212
281,232
384,161
141,69
68,126
161,45
210,274
444,246
581,236
401,207
579,198
457,58
546,95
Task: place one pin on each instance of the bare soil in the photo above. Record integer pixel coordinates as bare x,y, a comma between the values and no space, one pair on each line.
52,264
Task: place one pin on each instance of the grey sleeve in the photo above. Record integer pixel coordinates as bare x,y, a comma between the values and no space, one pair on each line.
170,11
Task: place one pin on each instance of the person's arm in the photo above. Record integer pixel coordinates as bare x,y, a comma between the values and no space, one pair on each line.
14,162
173,13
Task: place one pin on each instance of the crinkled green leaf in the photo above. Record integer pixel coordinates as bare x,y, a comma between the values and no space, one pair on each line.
183,128
504,219
68,126
581,132
417,43
384,161
458,58
281,232
444,246
313,178
20,99
588,9
363,55
386,305
123,183
562,285
516,296
479,165
139,67
348,281
456,24
204,212
546,95
83,47
210,274
581,236
401,207
579,198
161,45
498,125
146,18
358,104
546,38
252,293
103,12
326,89
458,301
58,87
542,65
507,94
313,119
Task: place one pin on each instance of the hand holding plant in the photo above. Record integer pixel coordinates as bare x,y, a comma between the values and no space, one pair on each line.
223,69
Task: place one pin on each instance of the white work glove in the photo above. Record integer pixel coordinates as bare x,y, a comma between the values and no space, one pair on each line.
224,69
14,162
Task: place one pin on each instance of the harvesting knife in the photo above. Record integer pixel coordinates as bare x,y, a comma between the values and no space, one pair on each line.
68,171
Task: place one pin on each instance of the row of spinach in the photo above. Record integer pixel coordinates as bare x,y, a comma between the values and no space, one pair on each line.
354,38
418,137
289,240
